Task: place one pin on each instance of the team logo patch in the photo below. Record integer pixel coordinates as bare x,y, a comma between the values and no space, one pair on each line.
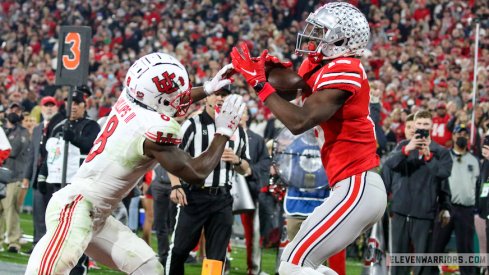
167,84
139,95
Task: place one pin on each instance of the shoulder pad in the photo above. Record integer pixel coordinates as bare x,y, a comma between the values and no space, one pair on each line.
342,73
162,129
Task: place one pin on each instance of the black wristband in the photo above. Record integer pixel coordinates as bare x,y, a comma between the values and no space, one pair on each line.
175,187
259,86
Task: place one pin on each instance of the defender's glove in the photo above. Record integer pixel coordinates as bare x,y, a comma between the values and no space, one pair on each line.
228,119
219,80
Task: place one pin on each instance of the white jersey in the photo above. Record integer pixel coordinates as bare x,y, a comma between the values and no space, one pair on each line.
116,161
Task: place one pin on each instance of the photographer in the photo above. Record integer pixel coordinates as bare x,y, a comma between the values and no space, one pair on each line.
419,168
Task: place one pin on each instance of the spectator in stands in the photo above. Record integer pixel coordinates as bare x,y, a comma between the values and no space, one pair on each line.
415,173
440,132
28,122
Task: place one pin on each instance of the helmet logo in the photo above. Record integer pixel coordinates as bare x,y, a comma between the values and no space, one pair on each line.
166,85
139,95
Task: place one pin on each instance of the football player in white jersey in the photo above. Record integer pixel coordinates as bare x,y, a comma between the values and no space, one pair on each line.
139,132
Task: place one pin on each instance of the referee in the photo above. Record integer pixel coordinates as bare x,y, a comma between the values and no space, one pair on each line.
208,206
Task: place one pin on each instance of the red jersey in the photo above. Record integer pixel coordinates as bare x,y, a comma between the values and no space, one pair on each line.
440,133
347,139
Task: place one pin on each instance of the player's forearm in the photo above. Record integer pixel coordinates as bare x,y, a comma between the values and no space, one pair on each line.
206,162
197,93
292,116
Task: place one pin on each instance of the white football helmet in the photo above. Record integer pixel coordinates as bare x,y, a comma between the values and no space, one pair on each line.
160,83
335,29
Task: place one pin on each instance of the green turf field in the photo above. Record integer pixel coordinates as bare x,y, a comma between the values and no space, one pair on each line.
238,262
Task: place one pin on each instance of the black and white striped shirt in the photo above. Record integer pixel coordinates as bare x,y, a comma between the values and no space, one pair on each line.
198,133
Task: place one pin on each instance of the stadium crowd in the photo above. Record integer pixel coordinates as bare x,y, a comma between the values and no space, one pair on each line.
421,53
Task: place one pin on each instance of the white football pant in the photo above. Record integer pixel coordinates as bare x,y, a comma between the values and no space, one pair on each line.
70,233
354,205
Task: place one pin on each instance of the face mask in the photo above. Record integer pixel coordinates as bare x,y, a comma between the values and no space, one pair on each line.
253,110
259,117
461,142
13,118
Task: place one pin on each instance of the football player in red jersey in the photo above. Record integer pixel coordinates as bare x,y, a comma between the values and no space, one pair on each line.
338,108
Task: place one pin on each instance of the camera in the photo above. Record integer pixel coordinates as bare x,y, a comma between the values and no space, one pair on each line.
422,133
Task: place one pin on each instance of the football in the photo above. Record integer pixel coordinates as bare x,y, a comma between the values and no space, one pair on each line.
289,84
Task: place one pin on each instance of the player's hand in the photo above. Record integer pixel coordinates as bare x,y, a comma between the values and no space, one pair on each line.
271,60
228,119
178,196
221,79
229,156
252,71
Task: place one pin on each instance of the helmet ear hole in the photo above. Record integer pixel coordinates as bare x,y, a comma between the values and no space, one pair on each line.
166,102
341,42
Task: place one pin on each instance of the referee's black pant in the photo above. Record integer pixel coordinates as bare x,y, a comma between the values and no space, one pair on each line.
208,209
163,210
